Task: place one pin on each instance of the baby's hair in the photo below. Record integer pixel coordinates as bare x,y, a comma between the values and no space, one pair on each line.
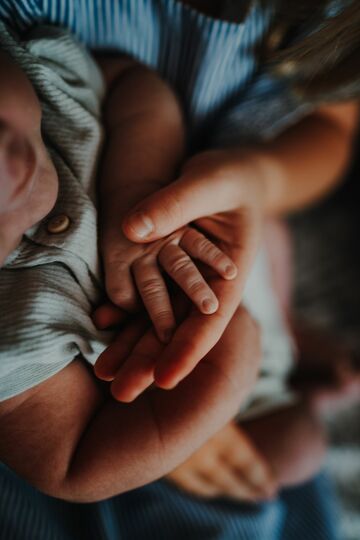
316,44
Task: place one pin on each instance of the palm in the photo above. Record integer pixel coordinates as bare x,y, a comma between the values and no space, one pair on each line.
134,366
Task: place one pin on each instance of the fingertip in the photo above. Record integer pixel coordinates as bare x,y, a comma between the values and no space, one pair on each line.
100,319
122,393
165,380
230,271
102,375
100,370
138,226
209,306
107,315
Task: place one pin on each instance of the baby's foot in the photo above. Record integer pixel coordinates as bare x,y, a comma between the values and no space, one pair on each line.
228,465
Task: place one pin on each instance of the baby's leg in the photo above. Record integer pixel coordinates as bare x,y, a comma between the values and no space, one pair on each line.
292,442
289,437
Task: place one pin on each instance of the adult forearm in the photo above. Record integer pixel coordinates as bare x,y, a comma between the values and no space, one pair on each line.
71,441
308,160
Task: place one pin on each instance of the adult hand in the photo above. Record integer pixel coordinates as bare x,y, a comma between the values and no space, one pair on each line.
219,192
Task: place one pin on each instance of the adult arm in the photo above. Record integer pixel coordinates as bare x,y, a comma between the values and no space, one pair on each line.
71,440
288,173
226,193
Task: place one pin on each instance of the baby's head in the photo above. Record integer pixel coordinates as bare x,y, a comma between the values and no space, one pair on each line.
28,180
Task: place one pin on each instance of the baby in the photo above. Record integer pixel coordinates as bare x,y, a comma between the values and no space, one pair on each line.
145,142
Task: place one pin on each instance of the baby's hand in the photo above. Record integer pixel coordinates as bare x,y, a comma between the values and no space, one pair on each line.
228,465
137,269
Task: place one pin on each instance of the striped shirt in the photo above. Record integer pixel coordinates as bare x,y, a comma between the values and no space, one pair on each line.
212,64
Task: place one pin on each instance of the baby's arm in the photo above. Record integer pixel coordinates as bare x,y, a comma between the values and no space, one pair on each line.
145,142
70,439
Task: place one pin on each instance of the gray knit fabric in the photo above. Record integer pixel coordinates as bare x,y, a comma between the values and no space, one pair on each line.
45,308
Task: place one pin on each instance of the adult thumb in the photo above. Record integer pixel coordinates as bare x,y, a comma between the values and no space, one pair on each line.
176,205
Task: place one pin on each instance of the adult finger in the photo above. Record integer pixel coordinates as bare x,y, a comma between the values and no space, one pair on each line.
176,205
110,361
196,336
137,372
108,315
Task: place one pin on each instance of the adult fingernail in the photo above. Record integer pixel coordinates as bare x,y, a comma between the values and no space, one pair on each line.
141,224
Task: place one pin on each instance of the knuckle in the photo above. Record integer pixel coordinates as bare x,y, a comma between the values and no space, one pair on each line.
208,250
179,264
196,286
150,287
163,316
202,245
144,262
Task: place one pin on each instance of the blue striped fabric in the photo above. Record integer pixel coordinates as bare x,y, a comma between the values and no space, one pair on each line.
161,512
207,61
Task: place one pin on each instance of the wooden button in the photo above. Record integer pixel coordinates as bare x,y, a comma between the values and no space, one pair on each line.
58,224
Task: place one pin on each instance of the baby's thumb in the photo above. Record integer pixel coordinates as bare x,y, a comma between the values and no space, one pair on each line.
173,207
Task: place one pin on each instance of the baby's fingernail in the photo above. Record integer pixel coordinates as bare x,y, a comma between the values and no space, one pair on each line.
209,306
141,224
230,271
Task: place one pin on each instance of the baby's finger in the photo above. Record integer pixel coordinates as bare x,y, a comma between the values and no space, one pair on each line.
137,373
110,361
194,484
108,315
153,291
199,247
120,285
230,484
251,468
183,271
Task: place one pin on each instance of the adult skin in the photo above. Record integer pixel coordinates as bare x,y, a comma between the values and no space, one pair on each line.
226,194
95,447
